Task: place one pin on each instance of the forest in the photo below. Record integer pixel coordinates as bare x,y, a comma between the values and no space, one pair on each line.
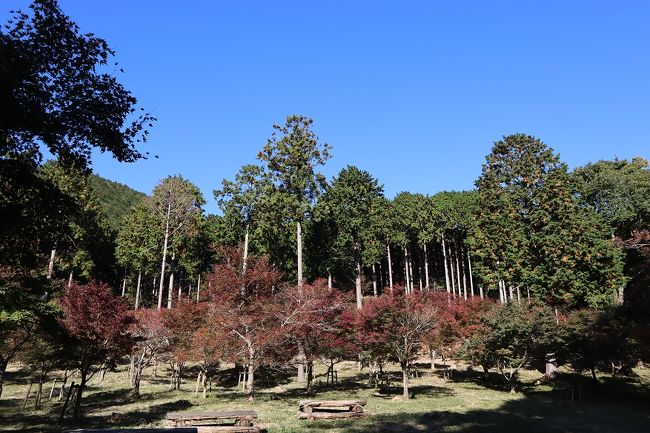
538,272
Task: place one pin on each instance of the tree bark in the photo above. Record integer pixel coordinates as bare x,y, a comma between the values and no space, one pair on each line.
406,270
299,251
464,280
124,286
451,272
70,279
444,255
50,266
137,290
245,249
301,362
329,280
251,372
390,268
170,289
3,369
457,270
357,278
405,383
471,279
198,288
374,280
76,414
164,257
426,267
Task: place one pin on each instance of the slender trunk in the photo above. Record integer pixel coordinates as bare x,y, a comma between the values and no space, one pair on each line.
245,249
198,288
180,286
374,280
357,278
405,383
480,290
301,362
50,266
70,279
76,414
426,267
164,258
390,268
460,294
251,372
451,272
170,288
299,250
124,287
410,261
137,290
444,255
471,279
3,368
464,276
406,270
512,295
518,296
329,280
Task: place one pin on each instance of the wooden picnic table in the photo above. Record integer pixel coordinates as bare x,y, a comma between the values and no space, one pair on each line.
331,409
238,418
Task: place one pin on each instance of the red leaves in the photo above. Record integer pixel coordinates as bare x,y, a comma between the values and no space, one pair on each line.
98,321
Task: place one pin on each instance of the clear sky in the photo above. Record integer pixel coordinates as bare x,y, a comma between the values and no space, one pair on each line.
413,92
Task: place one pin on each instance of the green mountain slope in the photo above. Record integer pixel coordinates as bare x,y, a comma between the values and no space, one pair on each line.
115,198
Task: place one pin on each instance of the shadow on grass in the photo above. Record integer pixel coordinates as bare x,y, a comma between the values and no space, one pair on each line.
530,414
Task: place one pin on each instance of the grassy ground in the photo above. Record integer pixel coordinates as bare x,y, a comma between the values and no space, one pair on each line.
469,402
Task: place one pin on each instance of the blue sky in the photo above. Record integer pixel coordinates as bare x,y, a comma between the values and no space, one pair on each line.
413,92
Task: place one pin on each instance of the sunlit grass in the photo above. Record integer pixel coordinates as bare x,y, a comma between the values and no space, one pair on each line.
466,403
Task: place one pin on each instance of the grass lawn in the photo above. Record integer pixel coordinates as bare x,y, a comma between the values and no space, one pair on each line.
467,403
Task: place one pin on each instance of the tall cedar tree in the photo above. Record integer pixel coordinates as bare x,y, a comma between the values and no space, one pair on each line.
98,322
292,155
350,202
533,233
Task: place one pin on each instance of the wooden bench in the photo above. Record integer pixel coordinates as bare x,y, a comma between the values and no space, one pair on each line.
197,429
239,421
332,409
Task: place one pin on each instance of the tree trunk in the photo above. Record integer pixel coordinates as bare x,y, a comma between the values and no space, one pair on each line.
329,280
76,414
451,272
357,278
299,251
374,280
464,279
170,289
164,258
405,383
301,362
444,255
426,267
251,372
124,287
137,290
410,269
457,270
198,288
50,266
70,279
390,268
406,271
245,249
471,279
310,376
3,368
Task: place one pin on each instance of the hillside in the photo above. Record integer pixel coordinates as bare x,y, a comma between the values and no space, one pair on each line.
116,198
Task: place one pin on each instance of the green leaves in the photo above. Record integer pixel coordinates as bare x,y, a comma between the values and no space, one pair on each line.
533,233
